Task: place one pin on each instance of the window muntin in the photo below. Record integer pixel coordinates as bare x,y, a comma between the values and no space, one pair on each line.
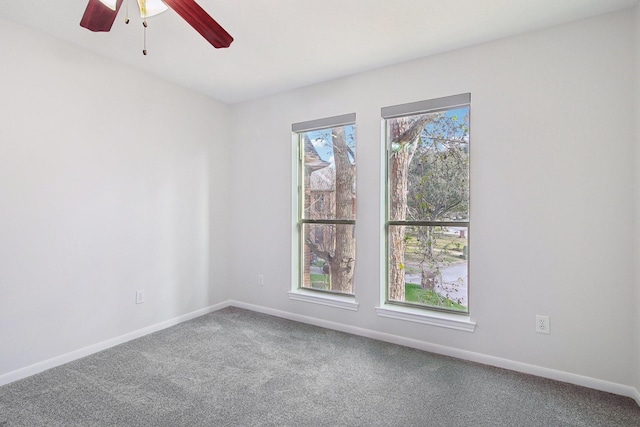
327,204
427,226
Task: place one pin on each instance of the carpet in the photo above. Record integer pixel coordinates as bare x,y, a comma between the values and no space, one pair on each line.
235,367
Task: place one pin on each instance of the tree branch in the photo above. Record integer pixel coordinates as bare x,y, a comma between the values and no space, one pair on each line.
325,255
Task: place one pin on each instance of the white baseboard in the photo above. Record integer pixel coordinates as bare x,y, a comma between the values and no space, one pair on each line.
553,374
484,359
636,396
94,348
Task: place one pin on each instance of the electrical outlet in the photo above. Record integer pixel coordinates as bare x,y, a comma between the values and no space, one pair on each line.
261,279
139,297
542,324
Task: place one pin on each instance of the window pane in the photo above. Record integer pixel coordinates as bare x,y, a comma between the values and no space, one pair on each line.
328,254
429,166
329,181
428,266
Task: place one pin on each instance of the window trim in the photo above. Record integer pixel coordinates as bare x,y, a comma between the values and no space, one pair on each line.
427,106
401,310
297,292
451,320
346,302
327,122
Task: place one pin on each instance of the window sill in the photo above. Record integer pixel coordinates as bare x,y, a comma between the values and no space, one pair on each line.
444,320
331,300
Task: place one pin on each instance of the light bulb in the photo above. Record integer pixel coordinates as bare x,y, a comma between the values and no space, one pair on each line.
111,4
150,7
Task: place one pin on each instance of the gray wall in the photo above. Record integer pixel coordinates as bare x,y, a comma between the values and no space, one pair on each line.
637,200
552,177
110,181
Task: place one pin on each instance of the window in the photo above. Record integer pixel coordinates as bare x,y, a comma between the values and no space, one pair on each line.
427,203
326,204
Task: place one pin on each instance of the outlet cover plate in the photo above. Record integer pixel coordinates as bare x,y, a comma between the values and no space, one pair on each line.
542,324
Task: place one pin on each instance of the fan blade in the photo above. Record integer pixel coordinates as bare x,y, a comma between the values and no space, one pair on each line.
200,20
98,16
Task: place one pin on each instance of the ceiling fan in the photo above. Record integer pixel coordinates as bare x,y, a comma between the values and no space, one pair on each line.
100,15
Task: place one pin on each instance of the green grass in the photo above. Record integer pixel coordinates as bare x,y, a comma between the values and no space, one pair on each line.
319,278
415,294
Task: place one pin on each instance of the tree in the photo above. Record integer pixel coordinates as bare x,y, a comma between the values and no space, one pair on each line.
438,188
336,244
312,162
404,133
343,259
428,174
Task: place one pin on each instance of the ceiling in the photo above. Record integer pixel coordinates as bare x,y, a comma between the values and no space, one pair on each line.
285,44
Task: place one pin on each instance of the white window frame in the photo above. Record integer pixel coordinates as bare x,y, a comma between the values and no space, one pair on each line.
298,293
423,315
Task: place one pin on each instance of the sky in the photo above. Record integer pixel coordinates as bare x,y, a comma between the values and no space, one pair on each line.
321,139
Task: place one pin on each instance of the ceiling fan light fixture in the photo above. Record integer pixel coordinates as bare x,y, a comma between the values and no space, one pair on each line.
111,4
147,7
100,15
150,7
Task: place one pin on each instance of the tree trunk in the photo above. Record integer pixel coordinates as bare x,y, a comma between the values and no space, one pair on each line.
343,260
398,212
428,279
404,134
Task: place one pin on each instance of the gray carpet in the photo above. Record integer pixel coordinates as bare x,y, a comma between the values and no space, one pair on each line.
239,368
